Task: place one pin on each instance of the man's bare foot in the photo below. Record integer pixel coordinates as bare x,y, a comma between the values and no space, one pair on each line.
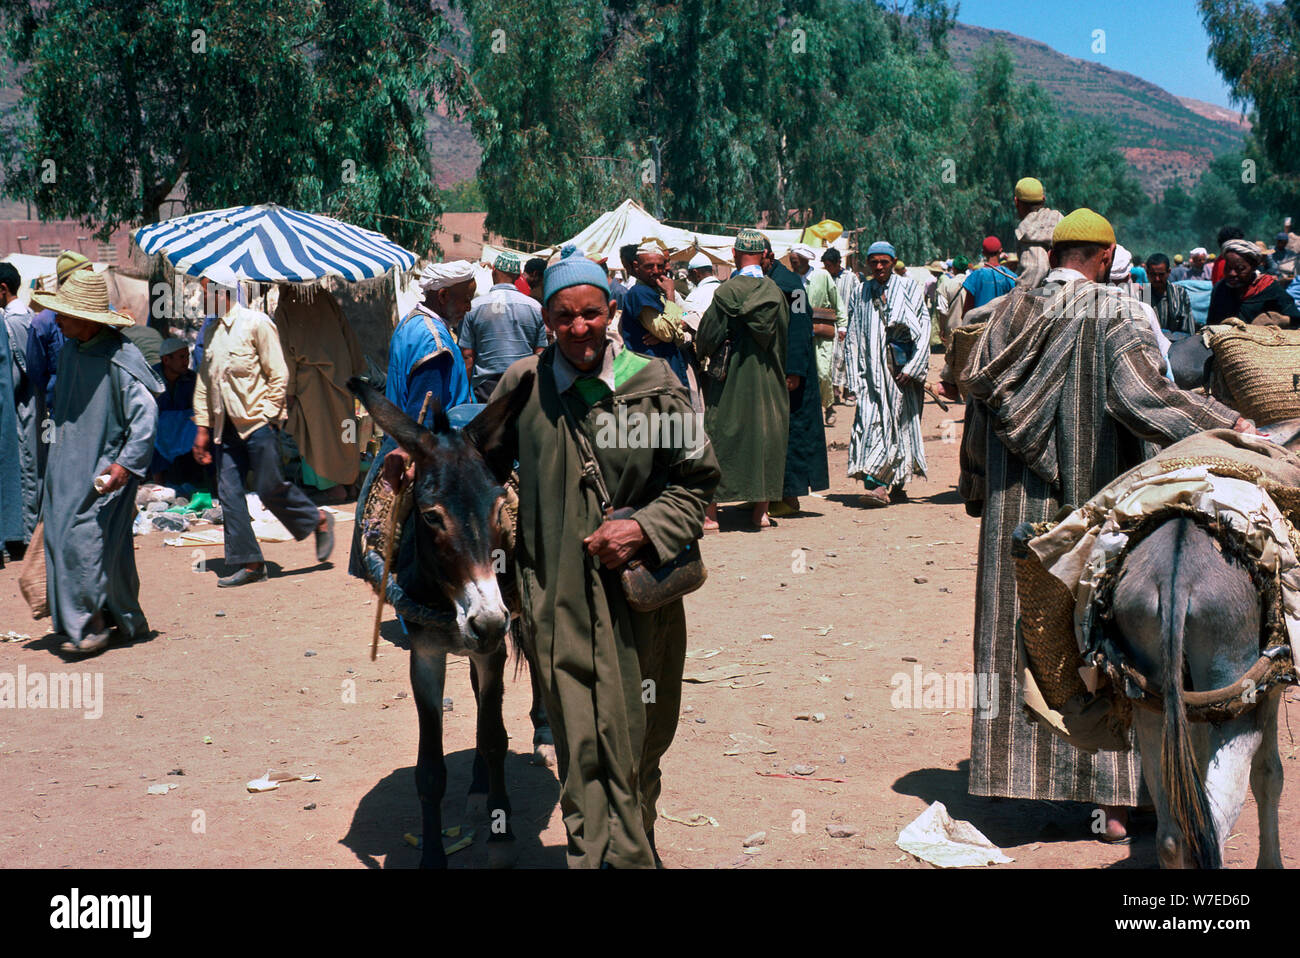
1116,830
711,518
759,516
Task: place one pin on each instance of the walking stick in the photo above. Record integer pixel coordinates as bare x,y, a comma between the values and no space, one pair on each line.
390,528
936,397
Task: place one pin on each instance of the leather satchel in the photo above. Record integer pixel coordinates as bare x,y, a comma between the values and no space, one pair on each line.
824,323
647,583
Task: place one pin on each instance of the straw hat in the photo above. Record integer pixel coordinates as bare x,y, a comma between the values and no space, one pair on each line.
83,295
68,263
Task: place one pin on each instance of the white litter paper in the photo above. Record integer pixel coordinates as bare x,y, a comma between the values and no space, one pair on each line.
272,780
936,837
266,527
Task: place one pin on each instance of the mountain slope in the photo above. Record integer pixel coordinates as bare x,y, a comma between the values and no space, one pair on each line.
1166,139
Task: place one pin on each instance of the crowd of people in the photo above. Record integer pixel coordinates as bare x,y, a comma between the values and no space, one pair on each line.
93,404
759,352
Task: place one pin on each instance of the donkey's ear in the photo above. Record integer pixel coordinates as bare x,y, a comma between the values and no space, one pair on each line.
493,430
406,432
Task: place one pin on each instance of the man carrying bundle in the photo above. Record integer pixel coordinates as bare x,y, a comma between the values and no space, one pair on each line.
806,468
887,352
1034,232
1065,386
829,317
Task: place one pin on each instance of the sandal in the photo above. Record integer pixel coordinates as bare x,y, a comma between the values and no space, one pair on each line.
94,643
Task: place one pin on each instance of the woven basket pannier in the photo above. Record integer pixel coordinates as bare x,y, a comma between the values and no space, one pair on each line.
964,339
1257,372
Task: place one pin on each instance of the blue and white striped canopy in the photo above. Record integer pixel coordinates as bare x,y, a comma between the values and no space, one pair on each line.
271,244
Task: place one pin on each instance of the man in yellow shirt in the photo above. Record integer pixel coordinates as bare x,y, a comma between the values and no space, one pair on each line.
239,400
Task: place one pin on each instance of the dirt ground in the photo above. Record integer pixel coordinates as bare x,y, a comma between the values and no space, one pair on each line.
816,616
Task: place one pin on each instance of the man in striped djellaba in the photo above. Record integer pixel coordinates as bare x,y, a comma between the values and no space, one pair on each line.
1064,387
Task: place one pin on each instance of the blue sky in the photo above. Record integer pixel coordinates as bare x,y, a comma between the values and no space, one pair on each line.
1162,41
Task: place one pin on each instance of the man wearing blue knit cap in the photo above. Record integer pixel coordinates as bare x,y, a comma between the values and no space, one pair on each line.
886,356
611,676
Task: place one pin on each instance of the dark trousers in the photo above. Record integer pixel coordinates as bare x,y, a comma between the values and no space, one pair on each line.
259,454
483,388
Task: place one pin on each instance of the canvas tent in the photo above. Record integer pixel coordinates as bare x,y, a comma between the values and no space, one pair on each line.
630,223
126,293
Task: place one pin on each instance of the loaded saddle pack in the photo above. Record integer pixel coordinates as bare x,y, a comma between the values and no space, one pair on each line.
1075,676
382,516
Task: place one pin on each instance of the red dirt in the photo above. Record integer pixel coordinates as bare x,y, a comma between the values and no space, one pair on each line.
75,790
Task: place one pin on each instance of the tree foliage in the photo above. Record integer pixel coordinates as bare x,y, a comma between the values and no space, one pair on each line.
547,91
1257,50
780,112
1238,189
314,104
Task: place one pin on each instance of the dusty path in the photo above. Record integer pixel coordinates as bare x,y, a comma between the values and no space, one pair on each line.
806,618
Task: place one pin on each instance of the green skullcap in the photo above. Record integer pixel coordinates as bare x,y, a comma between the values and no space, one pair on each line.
749,241
508,263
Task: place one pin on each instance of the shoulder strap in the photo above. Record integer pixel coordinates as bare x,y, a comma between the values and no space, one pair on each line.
590,468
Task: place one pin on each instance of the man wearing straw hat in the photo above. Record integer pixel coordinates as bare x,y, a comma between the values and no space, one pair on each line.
239,401
46,339
104,418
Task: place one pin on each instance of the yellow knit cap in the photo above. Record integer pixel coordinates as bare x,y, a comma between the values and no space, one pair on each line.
1030,190
1084,226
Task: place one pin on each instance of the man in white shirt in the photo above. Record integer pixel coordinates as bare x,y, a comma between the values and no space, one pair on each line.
701,273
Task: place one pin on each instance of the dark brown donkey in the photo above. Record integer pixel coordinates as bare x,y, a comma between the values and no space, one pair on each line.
450,573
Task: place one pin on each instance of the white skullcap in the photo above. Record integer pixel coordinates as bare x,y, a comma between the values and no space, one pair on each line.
1200,251
807,252
650,245
1122,265
437,276
699,261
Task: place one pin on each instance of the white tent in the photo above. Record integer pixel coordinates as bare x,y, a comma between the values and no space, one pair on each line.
125,293
630,223
487,256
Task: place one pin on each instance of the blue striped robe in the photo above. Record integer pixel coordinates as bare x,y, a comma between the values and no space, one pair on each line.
886,443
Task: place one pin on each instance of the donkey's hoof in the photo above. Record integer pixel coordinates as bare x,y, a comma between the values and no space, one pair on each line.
476,805
544,755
